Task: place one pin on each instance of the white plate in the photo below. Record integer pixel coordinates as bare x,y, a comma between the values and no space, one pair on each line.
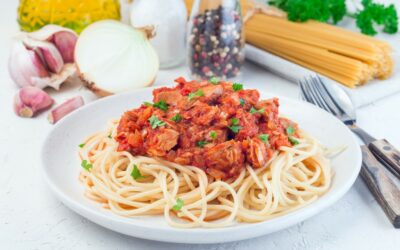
61,168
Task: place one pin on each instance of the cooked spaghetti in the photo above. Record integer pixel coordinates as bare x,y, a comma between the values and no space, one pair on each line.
251,164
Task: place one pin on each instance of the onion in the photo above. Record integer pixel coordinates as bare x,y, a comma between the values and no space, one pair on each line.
113,57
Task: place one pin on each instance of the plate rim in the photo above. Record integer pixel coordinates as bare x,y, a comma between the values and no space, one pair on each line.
97,217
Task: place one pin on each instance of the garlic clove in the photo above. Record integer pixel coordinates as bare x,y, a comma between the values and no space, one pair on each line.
63,38
48,52
55,80
65,108
65,43
25,64
29,100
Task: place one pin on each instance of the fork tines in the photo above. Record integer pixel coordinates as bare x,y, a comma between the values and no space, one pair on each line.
313,90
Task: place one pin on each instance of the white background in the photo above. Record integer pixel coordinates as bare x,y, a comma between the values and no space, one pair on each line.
32,218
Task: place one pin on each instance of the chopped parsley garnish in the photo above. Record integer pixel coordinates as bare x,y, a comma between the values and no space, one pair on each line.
237,86
242,102
86,165
254,111
81,145
293,141
290,130
198,93
109,136
201,144
235,125
264,137
136,173
214,80
213,134
160,104
155,122
176,118
179,204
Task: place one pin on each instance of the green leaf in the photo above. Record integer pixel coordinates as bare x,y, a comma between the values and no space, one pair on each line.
86,165
237,86
155,122
179,204
255,111
235,125
136,173
213,134
81,145
160,105
264,137
290,130
177,118
198,93
235,121
201,144
293,141
242,102
109,135
214,80
379,14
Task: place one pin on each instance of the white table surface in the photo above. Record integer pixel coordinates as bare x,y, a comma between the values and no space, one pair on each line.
32,218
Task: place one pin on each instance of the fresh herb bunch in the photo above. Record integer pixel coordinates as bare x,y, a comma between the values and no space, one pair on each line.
334,11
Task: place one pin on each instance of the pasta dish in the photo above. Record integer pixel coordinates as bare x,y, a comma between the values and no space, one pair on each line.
204,154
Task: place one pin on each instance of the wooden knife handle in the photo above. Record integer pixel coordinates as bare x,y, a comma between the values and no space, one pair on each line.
387,154
381,185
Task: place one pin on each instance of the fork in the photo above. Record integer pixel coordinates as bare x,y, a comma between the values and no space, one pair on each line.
380,182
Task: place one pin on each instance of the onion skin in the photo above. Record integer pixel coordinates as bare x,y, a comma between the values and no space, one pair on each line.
30,100
112,57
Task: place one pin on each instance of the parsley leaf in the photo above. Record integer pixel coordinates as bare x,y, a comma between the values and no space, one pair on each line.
237,86
235,125
264,137
334,10
160,104
213,134
136,173
293,141
242,102
155,122
214,80
179,204
290,130
198,93
254,111
379,14
86,165
177,118
81,145
109,136
201,144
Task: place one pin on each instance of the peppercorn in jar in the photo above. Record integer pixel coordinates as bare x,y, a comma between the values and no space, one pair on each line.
216,39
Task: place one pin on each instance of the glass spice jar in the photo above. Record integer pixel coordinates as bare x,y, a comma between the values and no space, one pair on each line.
215,39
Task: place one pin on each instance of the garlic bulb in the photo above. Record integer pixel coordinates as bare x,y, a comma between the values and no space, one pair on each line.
43,58
113,57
